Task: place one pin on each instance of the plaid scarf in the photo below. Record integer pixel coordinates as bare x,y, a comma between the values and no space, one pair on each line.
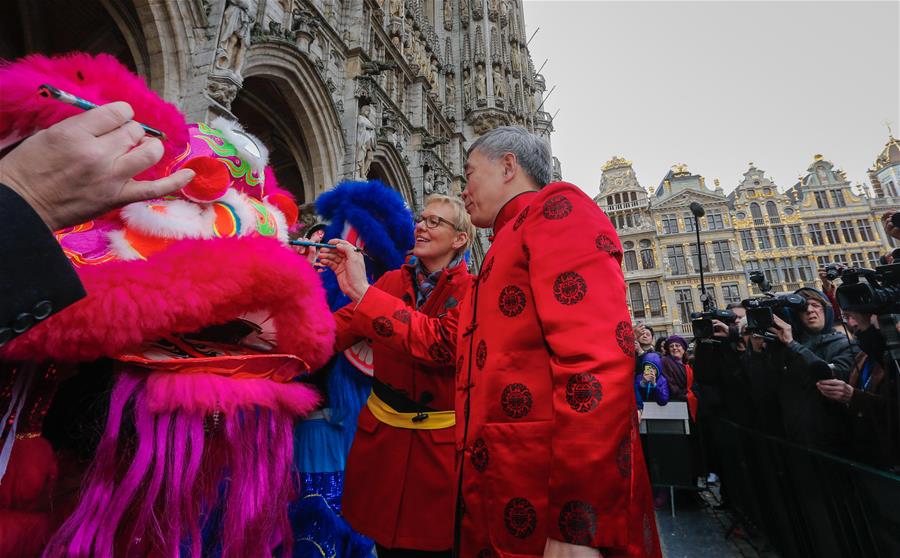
425,282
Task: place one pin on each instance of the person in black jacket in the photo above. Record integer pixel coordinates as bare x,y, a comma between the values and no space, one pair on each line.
64,175
814,351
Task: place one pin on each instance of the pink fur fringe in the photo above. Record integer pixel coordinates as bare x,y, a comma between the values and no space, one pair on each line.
168,393
100,79
158,481
193,284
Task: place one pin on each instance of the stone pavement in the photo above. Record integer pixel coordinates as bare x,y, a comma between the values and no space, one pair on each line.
698,530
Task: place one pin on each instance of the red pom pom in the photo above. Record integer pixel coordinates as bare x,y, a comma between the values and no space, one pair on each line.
211,181
287,206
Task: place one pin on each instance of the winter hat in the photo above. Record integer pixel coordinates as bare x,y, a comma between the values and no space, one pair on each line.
676,339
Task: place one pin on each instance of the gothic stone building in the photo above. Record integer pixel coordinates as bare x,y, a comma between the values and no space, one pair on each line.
785,235
387,89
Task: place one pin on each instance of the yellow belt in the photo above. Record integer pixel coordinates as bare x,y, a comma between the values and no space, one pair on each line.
434,420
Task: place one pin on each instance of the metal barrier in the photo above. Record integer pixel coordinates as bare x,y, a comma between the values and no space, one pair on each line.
665,435
808,503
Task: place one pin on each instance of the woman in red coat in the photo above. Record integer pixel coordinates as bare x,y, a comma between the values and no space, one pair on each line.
399,481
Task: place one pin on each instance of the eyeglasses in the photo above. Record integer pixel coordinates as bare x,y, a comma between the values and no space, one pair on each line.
433,221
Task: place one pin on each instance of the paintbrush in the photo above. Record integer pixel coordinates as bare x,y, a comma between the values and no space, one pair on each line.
51,92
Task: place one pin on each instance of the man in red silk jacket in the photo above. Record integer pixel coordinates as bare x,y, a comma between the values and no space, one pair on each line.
549,459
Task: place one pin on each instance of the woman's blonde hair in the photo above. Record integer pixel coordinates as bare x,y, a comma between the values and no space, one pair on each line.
463,221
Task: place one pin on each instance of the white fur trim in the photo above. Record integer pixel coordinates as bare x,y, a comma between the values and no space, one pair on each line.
182,219
121,247
228,129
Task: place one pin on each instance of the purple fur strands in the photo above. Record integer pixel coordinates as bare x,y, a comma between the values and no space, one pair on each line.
158,476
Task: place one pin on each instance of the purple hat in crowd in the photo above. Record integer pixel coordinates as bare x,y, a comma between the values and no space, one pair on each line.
676,339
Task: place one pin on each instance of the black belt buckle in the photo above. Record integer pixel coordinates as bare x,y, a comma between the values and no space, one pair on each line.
420,417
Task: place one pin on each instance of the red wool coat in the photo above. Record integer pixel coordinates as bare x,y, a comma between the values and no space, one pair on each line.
545,376
399,483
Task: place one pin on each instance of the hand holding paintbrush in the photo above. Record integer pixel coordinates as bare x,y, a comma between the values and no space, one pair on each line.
348,265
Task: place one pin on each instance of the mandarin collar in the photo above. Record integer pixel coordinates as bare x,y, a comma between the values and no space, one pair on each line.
512,208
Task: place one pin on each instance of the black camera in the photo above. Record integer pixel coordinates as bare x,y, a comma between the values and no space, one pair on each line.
878,294
834,270
701,322
762,310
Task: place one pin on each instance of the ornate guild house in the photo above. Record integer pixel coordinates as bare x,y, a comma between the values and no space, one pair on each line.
337,89
787,235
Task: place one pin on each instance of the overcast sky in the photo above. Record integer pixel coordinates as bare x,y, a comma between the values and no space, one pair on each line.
716,84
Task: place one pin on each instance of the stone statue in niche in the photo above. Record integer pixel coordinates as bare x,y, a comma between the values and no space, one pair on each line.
499,84
434,74
397,8
365,141
428,182
480,83
515,60
464,10
448,15
450,94
467,88
235,36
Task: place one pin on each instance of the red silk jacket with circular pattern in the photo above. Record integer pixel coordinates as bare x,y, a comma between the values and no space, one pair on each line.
547,441
399,483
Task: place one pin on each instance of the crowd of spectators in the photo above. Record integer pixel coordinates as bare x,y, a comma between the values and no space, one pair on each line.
820,378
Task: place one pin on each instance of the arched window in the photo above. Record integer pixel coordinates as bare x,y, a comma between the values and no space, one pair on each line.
771,209
755,211
609,200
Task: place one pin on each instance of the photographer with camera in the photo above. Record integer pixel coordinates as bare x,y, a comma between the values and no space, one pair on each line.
814,352
865,395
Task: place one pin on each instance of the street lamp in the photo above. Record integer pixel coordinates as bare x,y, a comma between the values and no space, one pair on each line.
698,212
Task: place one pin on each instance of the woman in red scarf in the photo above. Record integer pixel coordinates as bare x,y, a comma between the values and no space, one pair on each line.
679,373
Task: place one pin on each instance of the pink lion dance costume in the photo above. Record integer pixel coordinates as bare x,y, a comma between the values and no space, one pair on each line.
209,320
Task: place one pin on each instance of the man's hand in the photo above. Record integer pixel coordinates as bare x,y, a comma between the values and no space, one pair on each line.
827,285
638,331
782,330
83,166
888,226
349,267
720,329
559,549
838,390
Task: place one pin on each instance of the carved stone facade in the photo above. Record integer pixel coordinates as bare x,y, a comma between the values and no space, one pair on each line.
392,89
785,235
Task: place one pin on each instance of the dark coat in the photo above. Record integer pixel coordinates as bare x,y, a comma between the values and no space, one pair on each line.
36,278
809,417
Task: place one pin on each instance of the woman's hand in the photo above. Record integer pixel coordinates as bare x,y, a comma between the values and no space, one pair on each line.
348,266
